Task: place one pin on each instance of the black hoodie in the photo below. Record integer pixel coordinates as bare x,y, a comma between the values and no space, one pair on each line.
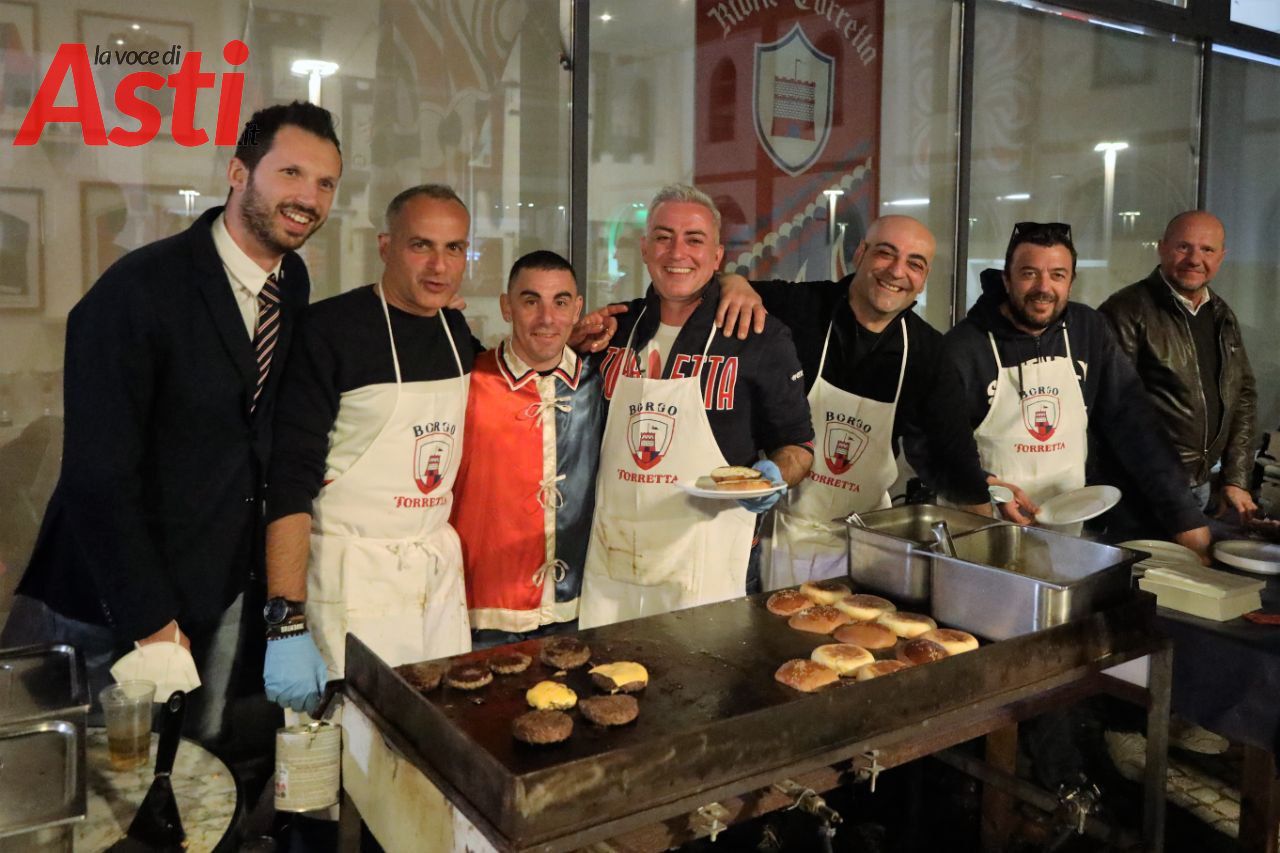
1120,417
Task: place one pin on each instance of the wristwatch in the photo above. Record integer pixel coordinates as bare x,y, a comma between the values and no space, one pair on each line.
280,610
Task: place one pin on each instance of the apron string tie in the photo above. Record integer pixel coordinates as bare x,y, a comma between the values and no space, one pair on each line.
549,492
559,570
539,409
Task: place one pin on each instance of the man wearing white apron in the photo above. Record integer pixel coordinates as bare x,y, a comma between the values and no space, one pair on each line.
684,400
870,364
1042,375
371,429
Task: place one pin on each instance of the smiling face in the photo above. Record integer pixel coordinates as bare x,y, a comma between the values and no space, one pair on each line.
892,267
681,249
542,307
274,208
425,254
1191,251
1038,284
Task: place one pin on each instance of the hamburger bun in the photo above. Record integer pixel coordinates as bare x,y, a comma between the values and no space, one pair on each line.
818,619
920,650
786,602
907,625
805,675
865,608
734,473
951,639
842,657
623,676
744,486
551,696
825,592
869,635
542,727
879,668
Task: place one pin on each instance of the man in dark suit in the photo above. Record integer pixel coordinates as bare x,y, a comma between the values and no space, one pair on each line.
173,358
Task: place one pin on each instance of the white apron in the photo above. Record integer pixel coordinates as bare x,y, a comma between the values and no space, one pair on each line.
1035,433
385,564
654,548
853,468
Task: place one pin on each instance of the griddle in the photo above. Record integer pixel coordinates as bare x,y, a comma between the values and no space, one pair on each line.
712,713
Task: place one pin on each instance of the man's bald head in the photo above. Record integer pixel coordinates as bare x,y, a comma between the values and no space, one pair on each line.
892,265
1191,250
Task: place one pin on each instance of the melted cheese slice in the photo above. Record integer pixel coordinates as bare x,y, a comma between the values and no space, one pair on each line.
622,672
551,696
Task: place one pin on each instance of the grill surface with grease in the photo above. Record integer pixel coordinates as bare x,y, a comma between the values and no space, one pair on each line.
711,714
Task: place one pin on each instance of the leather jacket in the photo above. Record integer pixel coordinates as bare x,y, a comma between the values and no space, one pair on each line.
1154,330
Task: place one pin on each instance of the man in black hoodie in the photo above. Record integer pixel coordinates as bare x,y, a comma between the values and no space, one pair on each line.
1043,377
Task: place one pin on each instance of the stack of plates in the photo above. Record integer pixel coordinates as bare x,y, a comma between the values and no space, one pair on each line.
1174,574
1163,555
1262,558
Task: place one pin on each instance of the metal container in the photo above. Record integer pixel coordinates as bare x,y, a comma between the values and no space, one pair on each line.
1009,580
42,682
891,551
42,781
308,767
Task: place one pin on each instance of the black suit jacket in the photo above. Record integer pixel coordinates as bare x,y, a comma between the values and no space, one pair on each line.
158,511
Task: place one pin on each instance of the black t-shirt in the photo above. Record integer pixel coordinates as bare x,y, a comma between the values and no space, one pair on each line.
929,420
342,344
752,389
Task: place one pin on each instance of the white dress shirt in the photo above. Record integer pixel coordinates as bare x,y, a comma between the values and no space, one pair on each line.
246,277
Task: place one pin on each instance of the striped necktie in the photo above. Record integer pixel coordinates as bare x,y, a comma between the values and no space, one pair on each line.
266,333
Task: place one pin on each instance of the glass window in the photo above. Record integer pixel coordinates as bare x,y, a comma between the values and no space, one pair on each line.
1263,14
918,106
477,100
774,113
1241,190
1074,121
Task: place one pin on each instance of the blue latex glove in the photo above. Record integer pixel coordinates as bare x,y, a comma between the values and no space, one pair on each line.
765,502
294,673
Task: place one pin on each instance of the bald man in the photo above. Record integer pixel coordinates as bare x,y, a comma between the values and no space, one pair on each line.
869,367
1186,344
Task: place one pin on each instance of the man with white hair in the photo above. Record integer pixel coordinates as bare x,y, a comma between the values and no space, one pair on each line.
684,400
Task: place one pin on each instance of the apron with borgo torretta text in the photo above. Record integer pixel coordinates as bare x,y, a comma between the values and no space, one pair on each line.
853,468
1035,434
653,547
385,564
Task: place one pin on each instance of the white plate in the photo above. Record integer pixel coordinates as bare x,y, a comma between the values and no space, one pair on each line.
1078,505
1000,494
1260,557
1168,553
705,487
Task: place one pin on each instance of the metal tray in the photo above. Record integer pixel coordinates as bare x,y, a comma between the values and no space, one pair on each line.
40,682
891,552
1009,580
712,714
41,774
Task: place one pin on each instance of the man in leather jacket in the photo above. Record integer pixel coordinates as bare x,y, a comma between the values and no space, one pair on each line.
1185,342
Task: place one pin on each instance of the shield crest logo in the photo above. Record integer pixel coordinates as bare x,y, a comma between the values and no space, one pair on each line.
431,456
649,437
792,100
841,447
1040,415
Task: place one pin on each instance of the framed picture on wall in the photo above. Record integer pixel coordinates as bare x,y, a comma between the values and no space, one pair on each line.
21,248
117,218
19,39
118,34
